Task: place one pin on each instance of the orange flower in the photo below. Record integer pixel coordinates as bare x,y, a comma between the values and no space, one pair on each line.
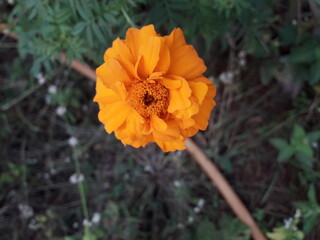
151,89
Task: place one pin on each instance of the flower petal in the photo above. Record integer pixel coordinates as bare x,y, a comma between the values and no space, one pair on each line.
111,117
164,58
104,95
170,83
171,146
136,37
179,98
111,72
122,53
185,62
171,133
158,123
199,90
150,56
175,39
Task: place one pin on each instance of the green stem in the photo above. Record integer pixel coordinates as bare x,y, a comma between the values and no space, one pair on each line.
81,191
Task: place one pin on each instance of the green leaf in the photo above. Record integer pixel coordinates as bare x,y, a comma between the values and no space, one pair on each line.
206,230
98,32
285,154
312,195
313,136
279,143
315,73
298,132
309,223
79,28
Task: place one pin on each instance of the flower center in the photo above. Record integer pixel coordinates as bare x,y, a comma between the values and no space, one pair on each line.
149,98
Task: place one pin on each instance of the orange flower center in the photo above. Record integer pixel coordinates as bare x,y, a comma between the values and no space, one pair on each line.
149,98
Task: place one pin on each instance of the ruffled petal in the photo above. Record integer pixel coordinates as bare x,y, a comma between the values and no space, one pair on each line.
185,62
104,95
110,116
199,90
171,133
164,58
202,117
175,39
122,53
158,123
179,98
150,56
111,72
171,146
136,37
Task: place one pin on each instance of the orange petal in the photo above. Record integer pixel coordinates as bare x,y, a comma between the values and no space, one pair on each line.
111,117
122,53
164,58
158,123
104,95
135,38
171,146
188,112
179,98
199,90
171,83
171,133
203,116
185,62
111,72
175,39
150,56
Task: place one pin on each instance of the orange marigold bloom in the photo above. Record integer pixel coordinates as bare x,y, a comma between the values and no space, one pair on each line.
151,89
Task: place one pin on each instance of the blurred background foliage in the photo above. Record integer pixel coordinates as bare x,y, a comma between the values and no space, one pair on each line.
62,177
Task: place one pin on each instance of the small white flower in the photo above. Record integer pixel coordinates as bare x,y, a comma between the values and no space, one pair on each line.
126,176
297,214
242,62
196,209
96,218
52,89
76,178
190,219
33,225
41,79
177,183
201,203
180,226
287,223
5,31
26,211
61,110
242,54
75,225
11,2
86,223
73,141
53,171
226,77
294,22
147,168
46,176
315,144
47,99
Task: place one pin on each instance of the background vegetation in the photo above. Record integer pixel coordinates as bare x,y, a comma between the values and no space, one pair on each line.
63,177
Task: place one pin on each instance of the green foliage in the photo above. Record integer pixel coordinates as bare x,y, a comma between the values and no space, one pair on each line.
299,146
310,210
289,232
